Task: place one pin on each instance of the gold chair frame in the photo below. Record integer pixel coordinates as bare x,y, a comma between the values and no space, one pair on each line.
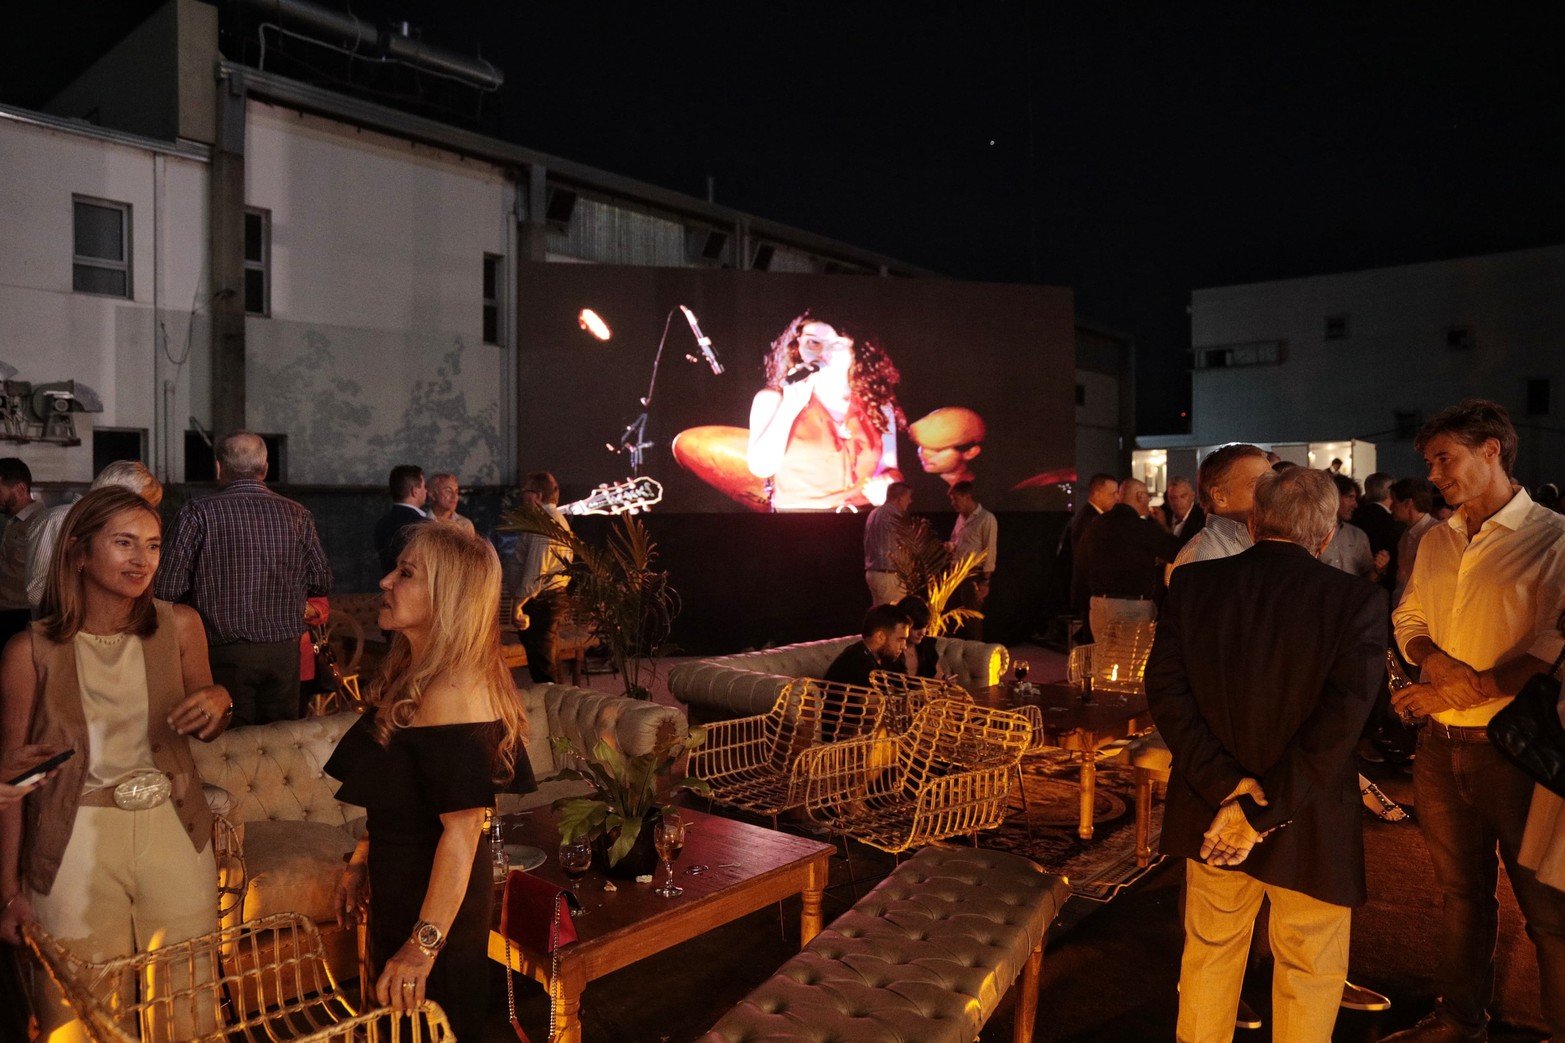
1117,660
907,694
752,763
947,776
263,981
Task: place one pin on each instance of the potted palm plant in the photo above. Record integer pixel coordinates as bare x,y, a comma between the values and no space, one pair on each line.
628,794
615,591
927,569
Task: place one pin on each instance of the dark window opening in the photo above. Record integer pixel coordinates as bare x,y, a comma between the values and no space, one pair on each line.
492,268
1081,394
1460,338
100,245
1336,327
1406,424
117,443
1538,396
258,262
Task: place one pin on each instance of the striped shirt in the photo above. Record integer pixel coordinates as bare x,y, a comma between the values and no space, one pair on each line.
246,559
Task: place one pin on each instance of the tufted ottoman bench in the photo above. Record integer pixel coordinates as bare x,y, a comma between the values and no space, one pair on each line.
923,958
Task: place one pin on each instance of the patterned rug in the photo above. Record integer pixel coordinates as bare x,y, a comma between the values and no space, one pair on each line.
1098,869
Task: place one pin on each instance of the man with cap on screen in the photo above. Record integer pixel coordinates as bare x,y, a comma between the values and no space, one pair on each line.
949,439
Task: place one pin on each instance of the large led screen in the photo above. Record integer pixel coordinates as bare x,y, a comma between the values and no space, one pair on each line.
795,392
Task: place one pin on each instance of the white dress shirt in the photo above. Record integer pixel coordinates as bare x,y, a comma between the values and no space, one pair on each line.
979,533
1489,600
1219,538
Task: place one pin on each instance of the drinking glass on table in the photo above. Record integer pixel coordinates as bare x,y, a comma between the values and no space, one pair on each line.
575,860
669,838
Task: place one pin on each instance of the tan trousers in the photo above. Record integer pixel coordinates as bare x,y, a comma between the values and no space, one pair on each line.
1309,942
884,587
130,881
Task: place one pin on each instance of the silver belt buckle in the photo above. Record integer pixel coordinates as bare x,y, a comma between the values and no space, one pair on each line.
143,791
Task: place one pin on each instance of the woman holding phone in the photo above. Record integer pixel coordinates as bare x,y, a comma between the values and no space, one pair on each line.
446,733
114,856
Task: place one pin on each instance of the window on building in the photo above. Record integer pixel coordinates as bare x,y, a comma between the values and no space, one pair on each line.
100,256
1336,327
258,262
1538,396
1459,338
492,269
117,443
1081,394
1405,423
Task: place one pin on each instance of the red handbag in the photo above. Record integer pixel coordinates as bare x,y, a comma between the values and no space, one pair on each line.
537,916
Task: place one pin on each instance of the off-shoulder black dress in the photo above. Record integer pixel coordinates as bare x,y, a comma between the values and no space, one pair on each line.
422,774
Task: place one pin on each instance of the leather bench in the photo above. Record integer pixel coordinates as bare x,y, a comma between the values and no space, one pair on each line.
923,958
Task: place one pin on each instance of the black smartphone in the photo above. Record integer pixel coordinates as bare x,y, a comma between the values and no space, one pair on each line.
38,771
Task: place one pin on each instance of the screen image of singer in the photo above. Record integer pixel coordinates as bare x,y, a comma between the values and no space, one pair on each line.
779,392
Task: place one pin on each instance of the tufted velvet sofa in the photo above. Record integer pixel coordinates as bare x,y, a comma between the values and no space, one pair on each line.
295,832
746,684
923,958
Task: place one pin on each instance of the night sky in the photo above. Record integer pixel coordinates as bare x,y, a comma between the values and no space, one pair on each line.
1132,152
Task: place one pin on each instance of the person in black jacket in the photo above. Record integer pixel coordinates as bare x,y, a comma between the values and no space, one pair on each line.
1265,667
884,640
1373,515
1120,561
408,496
922,658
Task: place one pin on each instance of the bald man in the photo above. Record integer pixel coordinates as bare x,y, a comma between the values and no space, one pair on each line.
247,559
949,440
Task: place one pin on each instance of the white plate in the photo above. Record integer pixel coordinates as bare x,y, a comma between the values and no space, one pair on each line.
523,857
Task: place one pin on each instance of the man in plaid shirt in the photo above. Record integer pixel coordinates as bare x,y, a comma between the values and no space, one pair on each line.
247,559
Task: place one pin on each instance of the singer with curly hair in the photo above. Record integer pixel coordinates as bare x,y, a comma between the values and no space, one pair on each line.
823,429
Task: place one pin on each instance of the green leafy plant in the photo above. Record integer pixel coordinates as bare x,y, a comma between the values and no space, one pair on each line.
926,568
615,591
625,790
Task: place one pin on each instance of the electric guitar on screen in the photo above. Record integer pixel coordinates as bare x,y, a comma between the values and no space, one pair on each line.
632,496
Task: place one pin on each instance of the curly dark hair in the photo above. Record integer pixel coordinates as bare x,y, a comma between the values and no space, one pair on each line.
873,377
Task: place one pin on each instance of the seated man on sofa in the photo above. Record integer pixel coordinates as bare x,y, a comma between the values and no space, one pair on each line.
885,634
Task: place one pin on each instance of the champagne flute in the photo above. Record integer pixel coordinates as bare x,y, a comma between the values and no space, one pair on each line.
575,860
669,838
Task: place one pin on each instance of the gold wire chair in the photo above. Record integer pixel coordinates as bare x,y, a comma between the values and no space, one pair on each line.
752,763
262,981
947,776
1117,660
906,694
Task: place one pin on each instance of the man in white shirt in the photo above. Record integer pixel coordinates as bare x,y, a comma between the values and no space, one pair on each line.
1479,617
1411,500
445,495
1226,484
881,533
976,532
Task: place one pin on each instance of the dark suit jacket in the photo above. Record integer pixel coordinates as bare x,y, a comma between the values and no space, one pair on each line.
1383,531
1266,665
1193,524
854,663
391,535
1121,555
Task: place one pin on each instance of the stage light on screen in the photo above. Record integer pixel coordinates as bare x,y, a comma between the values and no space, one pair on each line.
590,321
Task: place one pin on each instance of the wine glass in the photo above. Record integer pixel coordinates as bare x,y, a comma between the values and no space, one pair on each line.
1020,669
669,837
575,860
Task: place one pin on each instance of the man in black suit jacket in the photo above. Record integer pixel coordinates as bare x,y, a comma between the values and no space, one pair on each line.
408,494
1263,672
1373,515
1181,513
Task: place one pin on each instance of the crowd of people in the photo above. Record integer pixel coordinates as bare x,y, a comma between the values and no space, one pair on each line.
119,649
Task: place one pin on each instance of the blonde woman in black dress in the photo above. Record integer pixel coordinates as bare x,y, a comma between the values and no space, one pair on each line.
447,732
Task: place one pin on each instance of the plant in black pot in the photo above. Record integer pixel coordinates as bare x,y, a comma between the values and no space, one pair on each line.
628,794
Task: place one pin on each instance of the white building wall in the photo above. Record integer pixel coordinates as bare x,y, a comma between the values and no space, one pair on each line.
1395,357
124,349
373,353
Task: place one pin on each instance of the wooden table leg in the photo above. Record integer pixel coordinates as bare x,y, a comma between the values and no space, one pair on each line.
810,919
1027,997
1089,791
565,991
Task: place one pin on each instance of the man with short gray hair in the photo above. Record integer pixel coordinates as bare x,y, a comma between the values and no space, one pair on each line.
246,559
1265,667
45,530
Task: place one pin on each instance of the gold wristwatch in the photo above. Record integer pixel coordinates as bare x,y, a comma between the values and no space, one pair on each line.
429,938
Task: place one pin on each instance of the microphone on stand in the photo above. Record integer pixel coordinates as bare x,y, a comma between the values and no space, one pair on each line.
704,341
799,372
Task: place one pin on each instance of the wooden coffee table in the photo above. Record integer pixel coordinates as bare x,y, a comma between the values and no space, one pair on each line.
748,868
1081,729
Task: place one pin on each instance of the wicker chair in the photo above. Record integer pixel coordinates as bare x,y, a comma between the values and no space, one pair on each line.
947,776
752,763
906,694
263,980
1118,659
